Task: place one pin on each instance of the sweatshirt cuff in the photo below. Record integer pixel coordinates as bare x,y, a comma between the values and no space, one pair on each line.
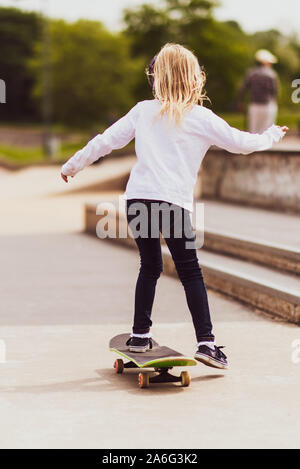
67,171
275,132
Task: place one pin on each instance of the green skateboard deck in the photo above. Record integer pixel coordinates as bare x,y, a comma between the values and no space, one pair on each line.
160,358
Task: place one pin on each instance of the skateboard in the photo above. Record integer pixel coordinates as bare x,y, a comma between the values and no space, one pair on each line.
161,359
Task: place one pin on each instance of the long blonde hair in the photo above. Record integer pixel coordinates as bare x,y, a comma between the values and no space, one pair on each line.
178,81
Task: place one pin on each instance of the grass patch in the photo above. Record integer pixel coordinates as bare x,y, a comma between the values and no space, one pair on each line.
35,155
19,155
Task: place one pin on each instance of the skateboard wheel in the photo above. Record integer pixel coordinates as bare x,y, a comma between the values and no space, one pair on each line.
143,380
185,378
119,365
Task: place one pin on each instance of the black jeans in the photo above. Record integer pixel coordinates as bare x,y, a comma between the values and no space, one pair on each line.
147,219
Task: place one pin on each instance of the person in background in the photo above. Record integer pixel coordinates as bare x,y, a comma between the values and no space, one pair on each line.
262,84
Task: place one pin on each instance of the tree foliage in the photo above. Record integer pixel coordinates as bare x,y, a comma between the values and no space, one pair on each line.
224,50
97,75
19,31
92,73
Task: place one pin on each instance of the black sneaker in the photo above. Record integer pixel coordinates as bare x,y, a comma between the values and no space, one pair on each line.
214,358
139,344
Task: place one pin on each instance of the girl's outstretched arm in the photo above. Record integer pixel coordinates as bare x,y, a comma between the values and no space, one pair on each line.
116,136
233,140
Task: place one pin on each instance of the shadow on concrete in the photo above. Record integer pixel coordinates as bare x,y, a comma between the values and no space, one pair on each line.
107,381
208,377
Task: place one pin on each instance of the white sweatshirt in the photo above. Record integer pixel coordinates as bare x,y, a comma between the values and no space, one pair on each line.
168,155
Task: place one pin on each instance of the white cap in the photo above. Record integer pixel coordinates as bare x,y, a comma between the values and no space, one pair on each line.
263,55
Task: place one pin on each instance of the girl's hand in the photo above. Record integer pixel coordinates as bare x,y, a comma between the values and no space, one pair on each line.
284,128
64,177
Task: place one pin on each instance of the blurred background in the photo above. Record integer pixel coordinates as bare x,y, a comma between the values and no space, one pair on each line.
68,69
71,68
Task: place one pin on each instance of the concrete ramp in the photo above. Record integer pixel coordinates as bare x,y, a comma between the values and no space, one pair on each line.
41,181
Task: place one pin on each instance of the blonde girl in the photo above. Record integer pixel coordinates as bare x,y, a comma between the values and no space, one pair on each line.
172,134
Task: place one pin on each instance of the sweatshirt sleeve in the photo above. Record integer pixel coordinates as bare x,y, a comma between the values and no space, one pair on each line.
116,136
220,133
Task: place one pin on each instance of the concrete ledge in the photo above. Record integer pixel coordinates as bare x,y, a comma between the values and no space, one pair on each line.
270,298
269,179
261,288
270,254
273,255
110,175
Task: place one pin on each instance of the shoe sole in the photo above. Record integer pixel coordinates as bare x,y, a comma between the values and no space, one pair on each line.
138,349
208,361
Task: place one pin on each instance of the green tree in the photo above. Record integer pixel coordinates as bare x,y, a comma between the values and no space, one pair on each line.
18,33
222,47
225,53
93,75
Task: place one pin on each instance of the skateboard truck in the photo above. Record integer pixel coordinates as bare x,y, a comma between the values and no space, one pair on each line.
130,365
162,376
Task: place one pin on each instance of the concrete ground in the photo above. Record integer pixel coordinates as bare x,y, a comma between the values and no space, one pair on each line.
258,224
65,294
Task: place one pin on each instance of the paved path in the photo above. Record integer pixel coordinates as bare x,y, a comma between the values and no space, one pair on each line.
63,295
66,295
